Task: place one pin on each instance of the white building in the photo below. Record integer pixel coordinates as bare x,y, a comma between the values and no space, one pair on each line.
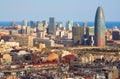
12,44
62,33
69,35
57,32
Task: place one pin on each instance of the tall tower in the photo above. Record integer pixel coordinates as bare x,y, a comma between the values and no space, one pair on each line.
77,34
24,22
85,25
70,24
52,26
32,24
100,27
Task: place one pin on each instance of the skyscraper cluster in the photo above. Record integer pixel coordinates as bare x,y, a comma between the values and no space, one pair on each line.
63,33
91,35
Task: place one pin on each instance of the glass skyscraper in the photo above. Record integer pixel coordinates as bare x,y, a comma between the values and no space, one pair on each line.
99,37
52,26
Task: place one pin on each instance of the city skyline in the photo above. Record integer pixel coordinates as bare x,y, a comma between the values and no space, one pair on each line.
59,39
62,10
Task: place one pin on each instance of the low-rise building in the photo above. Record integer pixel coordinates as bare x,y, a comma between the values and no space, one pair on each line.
47,42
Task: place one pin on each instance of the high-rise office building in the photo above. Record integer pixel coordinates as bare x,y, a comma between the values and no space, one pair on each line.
116,35
78,34
32,24
52,26
24,22
70,24
85,25
99,30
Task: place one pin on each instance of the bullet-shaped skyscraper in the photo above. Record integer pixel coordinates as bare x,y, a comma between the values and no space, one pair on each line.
99,37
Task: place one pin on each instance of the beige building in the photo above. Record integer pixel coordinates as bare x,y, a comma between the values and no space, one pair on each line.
69,35
23,40
13,32
113,74
6,59
40,45
28,30
26,41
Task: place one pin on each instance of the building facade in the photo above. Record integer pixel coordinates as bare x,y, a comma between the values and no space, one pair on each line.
78,34
99,30
24,22
116,35
52,26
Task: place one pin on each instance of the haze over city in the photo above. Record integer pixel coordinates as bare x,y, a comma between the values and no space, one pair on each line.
62,10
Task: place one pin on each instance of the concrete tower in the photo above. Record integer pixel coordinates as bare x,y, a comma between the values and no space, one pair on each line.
100,27
24,22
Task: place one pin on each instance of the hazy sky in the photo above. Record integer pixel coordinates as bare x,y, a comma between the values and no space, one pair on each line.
62,10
